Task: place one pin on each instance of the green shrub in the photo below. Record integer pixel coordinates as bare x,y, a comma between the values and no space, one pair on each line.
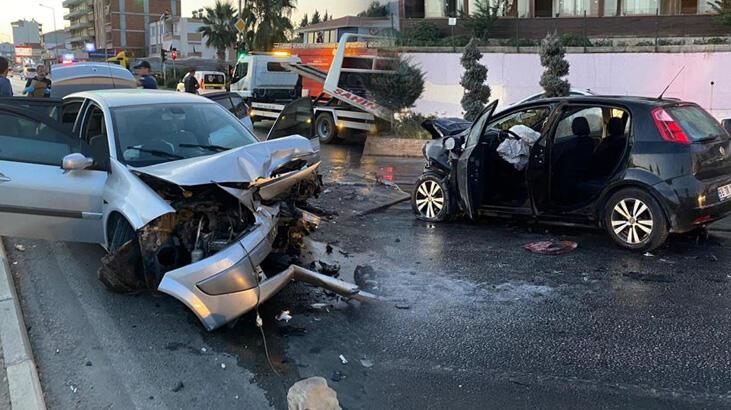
521,42
408,125
424,33
667,42
574,40
456,41
645,43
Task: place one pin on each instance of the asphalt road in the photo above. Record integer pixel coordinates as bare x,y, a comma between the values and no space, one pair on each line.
470,320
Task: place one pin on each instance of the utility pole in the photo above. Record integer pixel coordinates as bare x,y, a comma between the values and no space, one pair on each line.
55,44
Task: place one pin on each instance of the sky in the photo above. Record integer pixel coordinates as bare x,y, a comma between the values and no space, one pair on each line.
13,10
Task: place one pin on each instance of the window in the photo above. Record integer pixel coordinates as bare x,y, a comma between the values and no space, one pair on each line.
476,131
696,122
240,108
275,67
94,142
535,118
571,125
225,102
152,134
242,70
639,7
23,139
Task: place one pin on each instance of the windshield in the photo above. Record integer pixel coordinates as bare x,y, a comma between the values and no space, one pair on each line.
696,122
152,134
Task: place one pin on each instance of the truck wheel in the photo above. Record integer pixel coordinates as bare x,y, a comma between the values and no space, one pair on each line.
326,129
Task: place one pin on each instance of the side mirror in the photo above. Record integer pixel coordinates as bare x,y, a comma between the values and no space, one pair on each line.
727,125
76,161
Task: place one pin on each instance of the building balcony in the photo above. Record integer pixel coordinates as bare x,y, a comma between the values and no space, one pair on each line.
80,25
78,12
69,3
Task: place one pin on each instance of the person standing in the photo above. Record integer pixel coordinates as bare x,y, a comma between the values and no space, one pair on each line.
146,80
40,85
6,89
191,83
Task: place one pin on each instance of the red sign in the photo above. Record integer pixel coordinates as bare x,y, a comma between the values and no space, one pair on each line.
174,54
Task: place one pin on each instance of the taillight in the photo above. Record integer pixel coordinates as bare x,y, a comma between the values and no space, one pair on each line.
669,128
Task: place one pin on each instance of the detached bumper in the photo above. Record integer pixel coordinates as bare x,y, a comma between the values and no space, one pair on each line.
224,286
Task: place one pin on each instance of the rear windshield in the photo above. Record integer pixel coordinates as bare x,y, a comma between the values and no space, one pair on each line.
698,124
214,78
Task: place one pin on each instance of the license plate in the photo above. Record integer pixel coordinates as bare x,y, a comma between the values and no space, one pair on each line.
724,192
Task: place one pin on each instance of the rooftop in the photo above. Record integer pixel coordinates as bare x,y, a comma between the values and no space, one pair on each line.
131,97
347,21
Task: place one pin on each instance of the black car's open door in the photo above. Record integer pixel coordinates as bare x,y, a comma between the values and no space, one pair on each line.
471,161
296,119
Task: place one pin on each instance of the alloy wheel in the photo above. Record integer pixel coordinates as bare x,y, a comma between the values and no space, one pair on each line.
632,221
429,198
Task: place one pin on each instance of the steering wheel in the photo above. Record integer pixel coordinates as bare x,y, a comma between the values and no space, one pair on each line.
160,145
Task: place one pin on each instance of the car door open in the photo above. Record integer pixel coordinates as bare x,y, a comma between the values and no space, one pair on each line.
469,163
39,198
296,119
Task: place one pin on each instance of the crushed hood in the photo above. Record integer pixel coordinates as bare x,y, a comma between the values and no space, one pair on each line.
240,165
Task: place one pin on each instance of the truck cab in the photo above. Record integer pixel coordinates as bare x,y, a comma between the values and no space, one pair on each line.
263,78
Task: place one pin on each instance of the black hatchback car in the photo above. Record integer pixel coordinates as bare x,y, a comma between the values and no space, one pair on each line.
637,167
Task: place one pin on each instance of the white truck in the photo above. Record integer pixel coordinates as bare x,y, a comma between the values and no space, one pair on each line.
262,77
345,103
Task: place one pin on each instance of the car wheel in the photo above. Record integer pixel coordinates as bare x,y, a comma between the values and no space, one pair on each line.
326,129
634,220
430,198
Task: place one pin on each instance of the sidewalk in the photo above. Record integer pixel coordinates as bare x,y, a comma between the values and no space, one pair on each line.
19,384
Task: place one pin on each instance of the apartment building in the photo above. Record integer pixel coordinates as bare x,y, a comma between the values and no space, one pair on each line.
80,16
115,25
182,34
605,18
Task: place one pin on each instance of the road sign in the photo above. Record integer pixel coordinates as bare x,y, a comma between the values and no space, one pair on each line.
240,25
174,54
453,21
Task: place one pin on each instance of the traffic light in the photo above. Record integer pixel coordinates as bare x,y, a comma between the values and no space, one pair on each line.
163,55
174,54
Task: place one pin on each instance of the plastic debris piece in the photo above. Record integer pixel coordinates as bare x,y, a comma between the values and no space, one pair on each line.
223,365
343,359
318,305
402,306
284,316
649,254
203,349
20,247
178,387
551,247
329,269
366,363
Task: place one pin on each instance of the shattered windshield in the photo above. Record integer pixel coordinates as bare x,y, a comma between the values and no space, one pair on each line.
152,134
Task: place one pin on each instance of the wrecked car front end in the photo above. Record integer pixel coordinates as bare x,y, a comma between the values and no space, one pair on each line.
220,217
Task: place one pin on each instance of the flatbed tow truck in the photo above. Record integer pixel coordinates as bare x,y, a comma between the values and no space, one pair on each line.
344,103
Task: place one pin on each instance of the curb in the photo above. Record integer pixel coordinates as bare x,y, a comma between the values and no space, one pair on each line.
23,383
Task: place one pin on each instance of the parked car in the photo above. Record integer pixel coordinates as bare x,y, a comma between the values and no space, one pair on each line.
235,103
638,167
181,195
77,77
29,72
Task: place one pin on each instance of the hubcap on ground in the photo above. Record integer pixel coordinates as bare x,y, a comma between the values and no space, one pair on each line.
632,220
429,199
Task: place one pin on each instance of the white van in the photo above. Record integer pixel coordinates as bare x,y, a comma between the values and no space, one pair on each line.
208,81
261,77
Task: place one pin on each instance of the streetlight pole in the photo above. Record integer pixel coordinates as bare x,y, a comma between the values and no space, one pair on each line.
55,44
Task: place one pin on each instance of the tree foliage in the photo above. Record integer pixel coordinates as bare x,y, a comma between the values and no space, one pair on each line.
476,92
269,22
326,17
553,54
424,32
305,21
480,21
218,27
375,9
316,18
723,9
399,90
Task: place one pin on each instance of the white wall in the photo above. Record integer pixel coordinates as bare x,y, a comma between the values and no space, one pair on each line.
513,77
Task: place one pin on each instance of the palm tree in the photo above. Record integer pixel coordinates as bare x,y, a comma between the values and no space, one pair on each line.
218,27
270,20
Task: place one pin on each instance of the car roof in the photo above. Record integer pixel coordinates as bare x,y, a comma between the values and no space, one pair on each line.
603,99
138,96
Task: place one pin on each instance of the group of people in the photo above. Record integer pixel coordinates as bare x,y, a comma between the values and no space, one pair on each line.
38,86
147,81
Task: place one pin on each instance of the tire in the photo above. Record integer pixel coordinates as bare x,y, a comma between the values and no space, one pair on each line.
431,199
634,220
326,129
